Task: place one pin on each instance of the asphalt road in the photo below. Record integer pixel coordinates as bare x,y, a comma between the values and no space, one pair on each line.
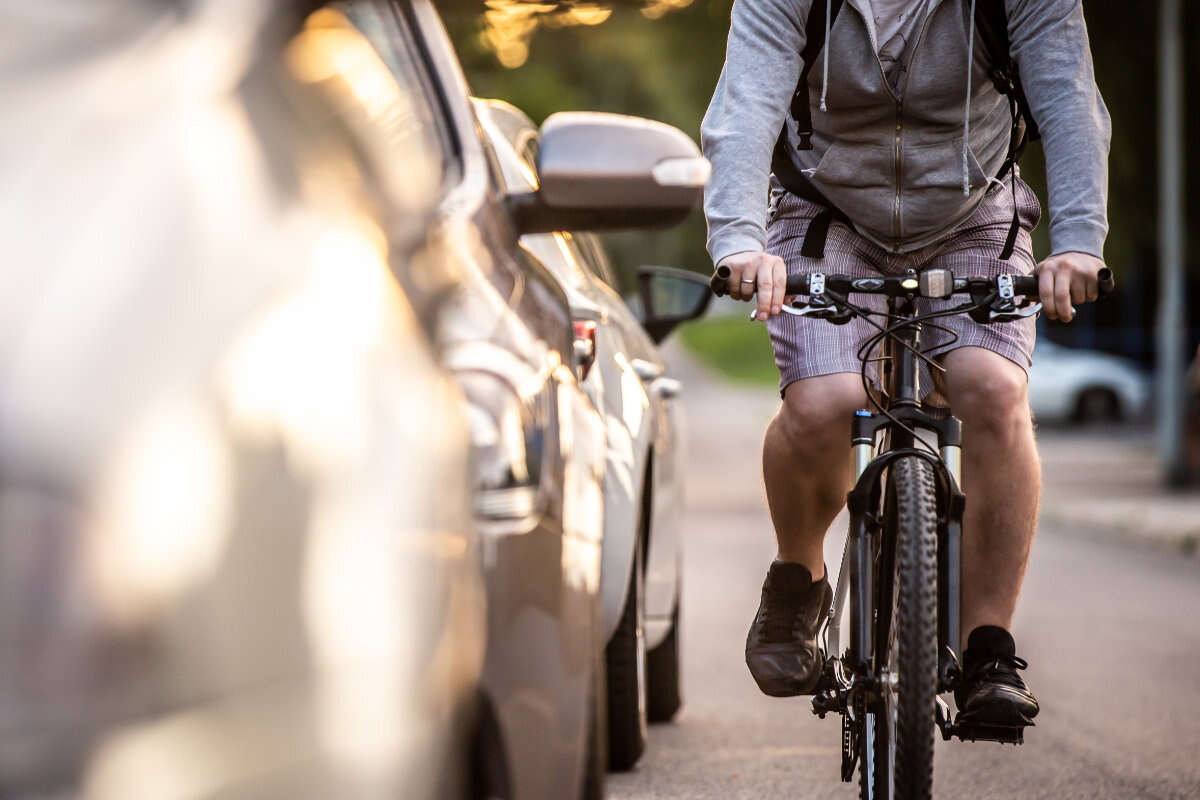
1111,631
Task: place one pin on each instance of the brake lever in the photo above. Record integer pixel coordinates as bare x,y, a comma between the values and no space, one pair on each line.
1012,313
838,315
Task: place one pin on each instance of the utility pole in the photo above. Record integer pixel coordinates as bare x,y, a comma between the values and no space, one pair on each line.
1171,244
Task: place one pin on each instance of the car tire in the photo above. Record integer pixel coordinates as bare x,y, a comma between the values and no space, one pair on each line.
597,738
625,663
1097,404
489,771
663,697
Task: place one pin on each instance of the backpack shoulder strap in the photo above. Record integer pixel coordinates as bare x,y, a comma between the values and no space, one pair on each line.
814,43
991,24
781,160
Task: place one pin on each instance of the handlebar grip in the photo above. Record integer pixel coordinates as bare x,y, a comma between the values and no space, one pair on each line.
1029,284
718,283
796,284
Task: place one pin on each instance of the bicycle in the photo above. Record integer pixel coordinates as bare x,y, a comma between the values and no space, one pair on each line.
905,539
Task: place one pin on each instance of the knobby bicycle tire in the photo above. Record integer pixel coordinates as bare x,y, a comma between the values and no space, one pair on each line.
906,641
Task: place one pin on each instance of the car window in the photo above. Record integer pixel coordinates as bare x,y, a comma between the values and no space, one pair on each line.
528,150
595,257
377,57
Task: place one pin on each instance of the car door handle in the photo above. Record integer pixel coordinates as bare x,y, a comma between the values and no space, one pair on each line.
646,370
666,388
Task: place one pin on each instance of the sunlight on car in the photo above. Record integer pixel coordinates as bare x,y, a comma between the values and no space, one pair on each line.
161,513
330,48
288,374
331,52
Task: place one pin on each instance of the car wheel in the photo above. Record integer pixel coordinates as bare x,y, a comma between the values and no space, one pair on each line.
597,737
489,779
625,662
663,697
1097,405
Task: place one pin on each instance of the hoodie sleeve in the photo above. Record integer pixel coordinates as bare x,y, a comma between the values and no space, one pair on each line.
762,65
1050,44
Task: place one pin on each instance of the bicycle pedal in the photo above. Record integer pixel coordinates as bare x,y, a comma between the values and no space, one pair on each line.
980,732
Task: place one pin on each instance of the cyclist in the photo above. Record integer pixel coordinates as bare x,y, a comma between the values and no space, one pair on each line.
907,169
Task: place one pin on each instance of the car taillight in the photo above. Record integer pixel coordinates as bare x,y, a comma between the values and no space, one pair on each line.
585,346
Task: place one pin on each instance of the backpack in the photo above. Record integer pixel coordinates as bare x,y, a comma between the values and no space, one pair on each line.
991,25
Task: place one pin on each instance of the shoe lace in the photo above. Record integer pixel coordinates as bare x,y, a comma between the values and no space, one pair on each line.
779,616
1001,668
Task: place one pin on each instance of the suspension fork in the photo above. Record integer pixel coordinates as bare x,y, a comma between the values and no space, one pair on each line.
857,558
950,559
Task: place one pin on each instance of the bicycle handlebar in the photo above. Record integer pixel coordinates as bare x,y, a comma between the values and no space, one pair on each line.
931,283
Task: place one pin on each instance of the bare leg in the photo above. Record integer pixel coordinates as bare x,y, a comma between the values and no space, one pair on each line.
1001,478
806,463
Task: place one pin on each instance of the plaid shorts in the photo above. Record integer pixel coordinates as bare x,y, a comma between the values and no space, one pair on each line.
805,348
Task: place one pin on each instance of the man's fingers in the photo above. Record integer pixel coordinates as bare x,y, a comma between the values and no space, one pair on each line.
1062,296
1046,290
779,277
1079,288
1066,279
735,280
763,284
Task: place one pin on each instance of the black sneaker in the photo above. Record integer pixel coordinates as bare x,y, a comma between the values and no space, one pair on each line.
992,693
781,648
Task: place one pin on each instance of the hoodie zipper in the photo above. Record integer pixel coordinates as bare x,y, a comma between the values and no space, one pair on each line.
912,54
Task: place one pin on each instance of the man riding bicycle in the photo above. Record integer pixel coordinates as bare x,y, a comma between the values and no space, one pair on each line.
898,155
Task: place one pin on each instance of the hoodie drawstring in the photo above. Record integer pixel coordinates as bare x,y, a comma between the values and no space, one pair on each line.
825,77
967,102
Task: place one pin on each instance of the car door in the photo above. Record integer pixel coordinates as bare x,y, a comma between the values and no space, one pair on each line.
536,440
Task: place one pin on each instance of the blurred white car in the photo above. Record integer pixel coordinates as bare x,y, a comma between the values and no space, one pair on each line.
236,552
1066,384
626,378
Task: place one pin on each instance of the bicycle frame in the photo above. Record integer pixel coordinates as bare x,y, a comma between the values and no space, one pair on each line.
856,576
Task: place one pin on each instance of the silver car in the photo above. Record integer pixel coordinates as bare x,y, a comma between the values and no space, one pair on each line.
236,557
626,378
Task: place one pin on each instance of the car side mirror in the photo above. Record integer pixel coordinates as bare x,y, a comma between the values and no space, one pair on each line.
669,297
603,172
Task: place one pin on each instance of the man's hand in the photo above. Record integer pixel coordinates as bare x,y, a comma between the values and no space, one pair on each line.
758,274
1066,279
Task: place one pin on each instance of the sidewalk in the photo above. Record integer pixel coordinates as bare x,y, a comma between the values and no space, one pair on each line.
1097,482
1111,483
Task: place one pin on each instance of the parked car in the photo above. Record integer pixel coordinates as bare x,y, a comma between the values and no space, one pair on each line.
236,556
1069,385
538,441
626,378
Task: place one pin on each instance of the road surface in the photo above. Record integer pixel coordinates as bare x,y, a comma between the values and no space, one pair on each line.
1111,631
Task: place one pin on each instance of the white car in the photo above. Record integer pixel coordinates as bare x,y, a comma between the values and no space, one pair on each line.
1066,384
625,377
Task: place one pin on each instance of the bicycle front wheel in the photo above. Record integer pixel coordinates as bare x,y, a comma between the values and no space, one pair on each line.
899,731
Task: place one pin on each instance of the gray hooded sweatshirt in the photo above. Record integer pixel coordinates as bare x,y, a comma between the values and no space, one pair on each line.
908,162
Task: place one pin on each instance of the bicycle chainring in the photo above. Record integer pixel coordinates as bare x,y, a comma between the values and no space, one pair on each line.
852,732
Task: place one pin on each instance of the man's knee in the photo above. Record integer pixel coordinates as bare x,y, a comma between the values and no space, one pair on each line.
816,411
988,392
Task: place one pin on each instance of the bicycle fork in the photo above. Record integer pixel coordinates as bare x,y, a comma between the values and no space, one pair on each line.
856,575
